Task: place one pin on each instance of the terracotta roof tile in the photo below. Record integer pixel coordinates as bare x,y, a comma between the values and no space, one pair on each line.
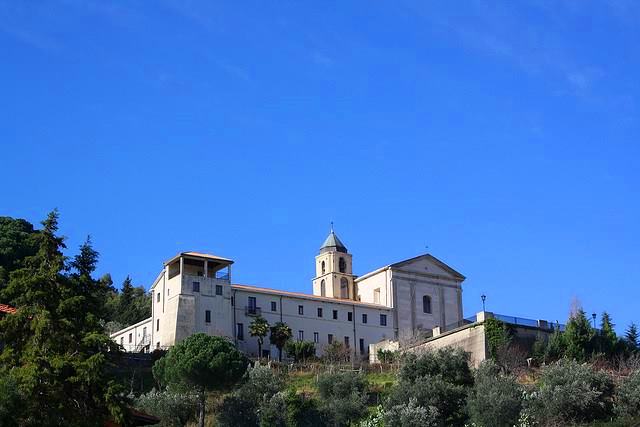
4,308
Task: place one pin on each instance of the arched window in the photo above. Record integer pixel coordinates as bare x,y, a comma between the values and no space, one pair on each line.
323,268
323,290
344,288
342,265
426,304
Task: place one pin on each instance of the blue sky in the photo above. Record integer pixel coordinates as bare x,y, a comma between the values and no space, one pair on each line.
502,135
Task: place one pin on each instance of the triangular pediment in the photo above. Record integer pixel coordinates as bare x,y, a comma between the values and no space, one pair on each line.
428,264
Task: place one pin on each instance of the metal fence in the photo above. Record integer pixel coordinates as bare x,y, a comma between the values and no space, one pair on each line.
534,323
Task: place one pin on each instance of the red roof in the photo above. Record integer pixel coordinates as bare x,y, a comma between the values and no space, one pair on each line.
4,308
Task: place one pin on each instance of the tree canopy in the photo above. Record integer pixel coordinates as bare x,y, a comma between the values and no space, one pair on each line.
55,350
201,362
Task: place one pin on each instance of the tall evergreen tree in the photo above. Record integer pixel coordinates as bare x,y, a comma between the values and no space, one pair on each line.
578,337
607,336
17,241
134,304
54,348
631,337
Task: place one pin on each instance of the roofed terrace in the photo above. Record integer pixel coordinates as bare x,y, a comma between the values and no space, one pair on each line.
199,265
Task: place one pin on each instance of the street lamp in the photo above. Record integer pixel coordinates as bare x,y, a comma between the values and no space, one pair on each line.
484,297
593,316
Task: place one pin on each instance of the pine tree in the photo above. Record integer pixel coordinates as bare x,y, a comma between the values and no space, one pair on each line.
631,337
578,337
54,347
607,336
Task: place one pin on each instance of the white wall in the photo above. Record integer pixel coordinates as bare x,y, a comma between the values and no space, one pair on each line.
134,337
309,322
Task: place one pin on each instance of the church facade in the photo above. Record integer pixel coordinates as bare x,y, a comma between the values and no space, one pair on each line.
194,293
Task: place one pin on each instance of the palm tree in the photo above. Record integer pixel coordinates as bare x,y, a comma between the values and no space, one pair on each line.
259,328
280,334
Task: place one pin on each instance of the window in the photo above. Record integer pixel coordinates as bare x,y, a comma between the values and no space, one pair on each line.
240,331
158,297
361,345
168,292
335,314
274,306
346,342
300,310
364,318
383,320
122,341
157,324
158,344
207,316
316,337
300,335
426,304
323,267
252,303
349,316
218,289
319,311
376,296
196,286
342,265
130,338
323,288
144,331
330,338
344,288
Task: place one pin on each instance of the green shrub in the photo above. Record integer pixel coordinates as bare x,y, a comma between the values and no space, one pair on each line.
439,379
569,392
627,399
410,414
448,398
260,384
273,412
244,406
302,411
451,364
495,399
300,350
343,397
237,411
173,407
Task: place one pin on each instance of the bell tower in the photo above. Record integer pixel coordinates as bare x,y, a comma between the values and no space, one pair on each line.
334,274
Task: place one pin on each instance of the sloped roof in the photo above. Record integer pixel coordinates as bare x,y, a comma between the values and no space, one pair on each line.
433,259
457,275
332,242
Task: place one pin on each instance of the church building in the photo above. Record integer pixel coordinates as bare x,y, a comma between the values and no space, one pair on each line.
194,293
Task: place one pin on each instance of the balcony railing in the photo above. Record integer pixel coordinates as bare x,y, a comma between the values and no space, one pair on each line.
222,275
252,311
